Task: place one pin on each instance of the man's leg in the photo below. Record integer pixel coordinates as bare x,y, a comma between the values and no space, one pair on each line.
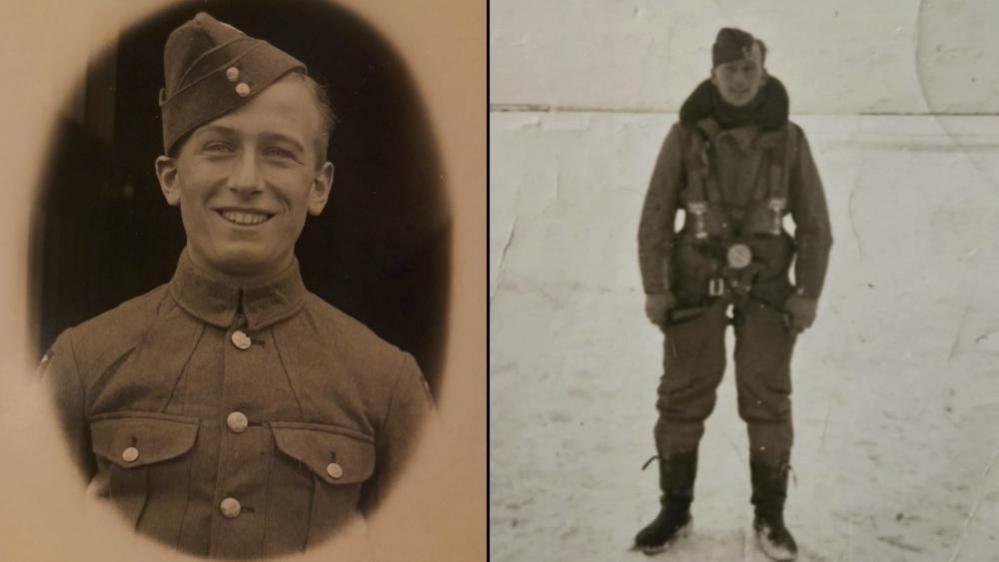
764,345
694,361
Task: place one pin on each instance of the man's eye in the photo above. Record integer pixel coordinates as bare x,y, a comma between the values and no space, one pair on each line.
218,147
278,152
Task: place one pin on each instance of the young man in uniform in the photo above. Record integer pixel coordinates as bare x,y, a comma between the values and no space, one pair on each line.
232,413
736,166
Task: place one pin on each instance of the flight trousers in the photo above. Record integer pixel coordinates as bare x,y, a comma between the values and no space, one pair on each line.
693,365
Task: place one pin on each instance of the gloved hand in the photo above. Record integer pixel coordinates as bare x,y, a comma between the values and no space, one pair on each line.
657,307
802,312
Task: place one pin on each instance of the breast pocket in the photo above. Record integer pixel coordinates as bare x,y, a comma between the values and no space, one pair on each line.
335,462
135,448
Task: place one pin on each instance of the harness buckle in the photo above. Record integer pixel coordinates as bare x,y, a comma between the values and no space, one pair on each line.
739,256
716,287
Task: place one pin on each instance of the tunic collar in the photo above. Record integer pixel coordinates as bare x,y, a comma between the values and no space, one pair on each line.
216,299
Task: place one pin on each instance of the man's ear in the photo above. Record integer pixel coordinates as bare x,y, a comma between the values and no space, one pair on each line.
714,76
166,173
319,194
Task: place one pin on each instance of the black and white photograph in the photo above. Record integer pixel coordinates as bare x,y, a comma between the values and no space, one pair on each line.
742,259
244,277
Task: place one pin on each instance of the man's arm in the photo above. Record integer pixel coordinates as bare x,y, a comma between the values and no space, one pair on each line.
813,234
408,417
59,372
655,231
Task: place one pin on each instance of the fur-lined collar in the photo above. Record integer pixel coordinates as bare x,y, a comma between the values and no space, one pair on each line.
769,110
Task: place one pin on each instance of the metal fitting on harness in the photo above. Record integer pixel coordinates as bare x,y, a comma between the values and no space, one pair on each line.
777,206
716,287
697,209
739,256
736,278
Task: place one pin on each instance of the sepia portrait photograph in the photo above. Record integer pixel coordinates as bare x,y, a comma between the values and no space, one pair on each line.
245,279
742,270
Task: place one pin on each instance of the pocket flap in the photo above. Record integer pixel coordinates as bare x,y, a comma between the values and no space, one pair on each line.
337,455
134,439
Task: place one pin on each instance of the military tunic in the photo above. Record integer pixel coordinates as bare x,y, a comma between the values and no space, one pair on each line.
235,421
694,350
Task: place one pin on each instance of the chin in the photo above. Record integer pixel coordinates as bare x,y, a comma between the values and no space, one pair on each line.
739,102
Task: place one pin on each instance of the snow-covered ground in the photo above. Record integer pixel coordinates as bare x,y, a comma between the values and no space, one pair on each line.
896,387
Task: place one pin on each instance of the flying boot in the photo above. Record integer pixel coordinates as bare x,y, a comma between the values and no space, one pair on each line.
769,493
676,480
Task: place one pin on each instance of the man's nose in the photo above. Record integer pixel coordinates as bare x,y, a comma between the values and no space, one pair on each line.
246,178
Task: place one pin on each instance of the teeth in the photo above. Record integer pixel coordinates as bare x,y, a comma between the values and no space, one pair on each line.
244,218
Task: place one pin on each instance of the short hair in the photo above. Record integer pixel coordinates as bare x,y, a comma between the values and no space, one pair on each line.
327,119
763,51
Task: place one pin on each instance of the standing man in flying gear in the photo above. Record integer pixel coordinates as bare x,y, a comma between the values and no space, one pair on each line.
736,166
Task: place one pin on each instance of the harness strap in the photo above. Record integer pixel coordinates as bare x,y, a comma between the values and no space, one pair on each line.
705,205
703,191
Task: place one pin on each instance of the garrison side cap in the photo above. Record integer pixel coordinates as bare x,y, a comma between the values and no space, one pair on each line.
212,68
731,44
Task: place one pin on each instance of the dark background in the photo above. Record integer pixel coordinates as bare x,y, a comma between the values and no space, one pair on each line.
380,251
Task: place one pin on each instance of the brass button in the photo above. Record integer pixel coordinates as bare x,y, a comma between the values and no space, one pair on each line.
230,508
243,89
232,73
237,422
334,470
130,454
241,340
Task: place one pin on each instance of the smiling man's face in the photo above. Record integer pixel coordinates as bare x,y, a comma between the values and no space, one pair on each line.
246,181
